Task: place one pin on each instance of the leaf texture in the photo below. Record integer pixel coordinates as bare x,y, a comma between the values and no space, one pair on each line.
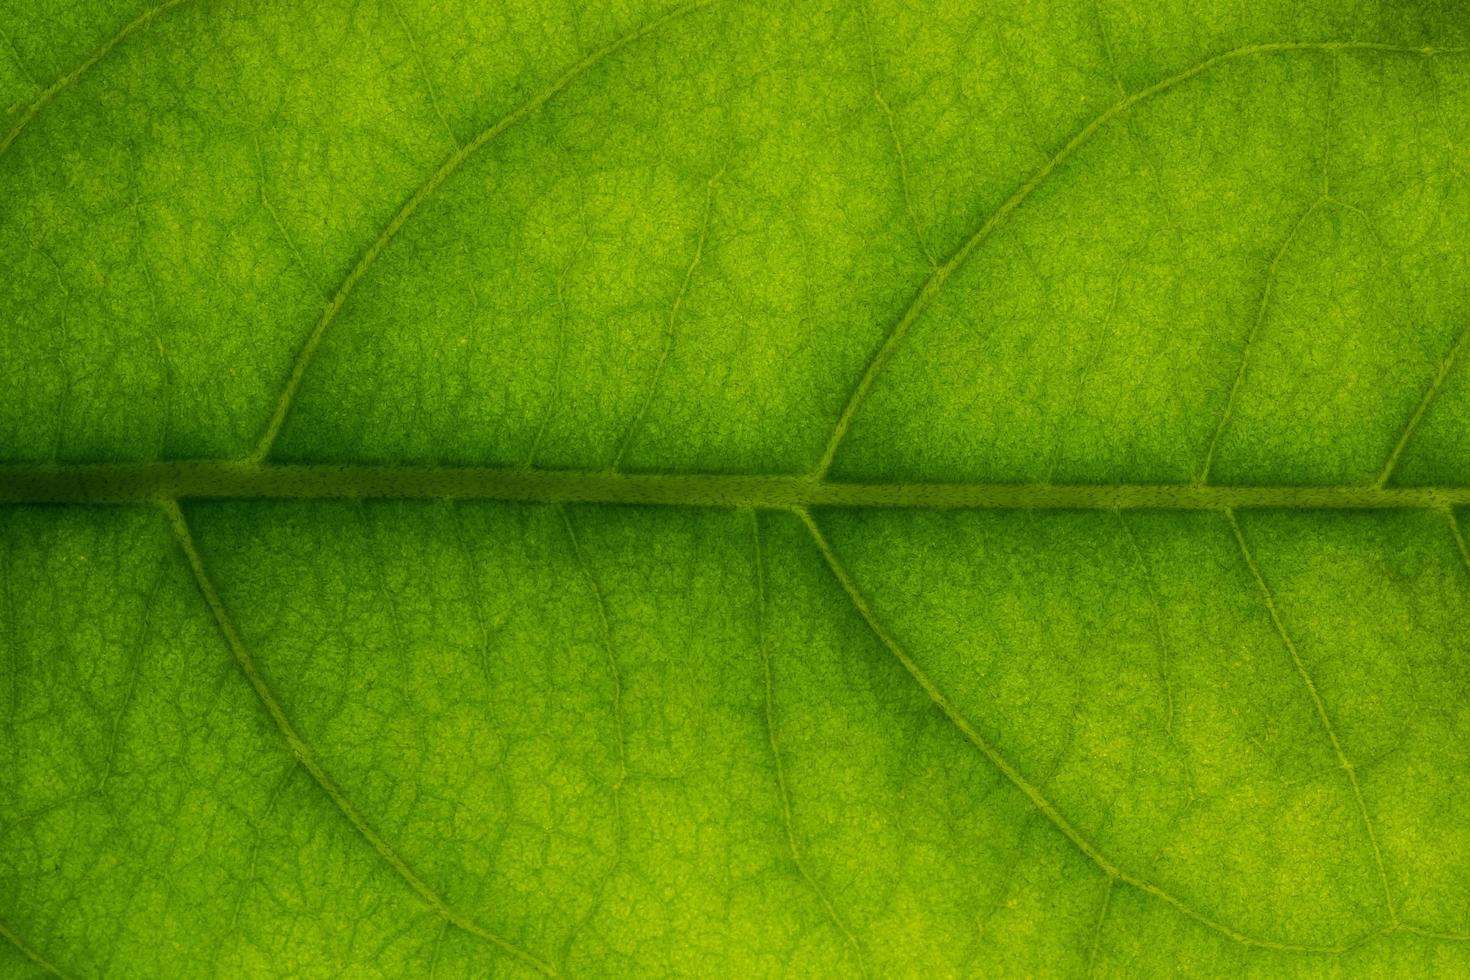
725,488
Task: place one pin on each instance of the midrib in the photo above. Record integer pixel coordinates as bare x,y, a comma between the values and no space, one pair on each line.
129,483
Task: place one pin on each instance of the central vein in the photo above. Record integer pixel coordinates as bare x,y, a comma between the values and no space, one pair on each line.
122,483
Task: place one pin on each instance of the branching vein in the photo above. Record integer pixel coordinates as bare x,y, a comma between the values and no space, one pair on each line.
604,635
307,757
1458,536
1016,778
1422,407
1156,617
415,200
1301,668
1272,269
775,742
275,216
1097,929
935,283
892,122
418,57
671,326
20,63
45,97
29,952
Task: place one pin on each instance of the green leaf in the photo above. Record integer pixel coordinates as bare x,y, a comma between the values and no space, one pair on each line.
734,488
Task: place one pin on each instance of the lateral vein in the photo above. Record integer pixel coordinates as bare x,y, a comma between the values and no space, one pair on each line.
1243,364
773,739
44,98
1459,538
1028,789
422,193
604,635
1422,408
307,757
1268,598
29,953
939,277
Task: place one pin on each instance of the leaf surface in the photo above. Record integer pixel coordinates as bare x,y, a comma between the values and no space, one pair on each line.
733,488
